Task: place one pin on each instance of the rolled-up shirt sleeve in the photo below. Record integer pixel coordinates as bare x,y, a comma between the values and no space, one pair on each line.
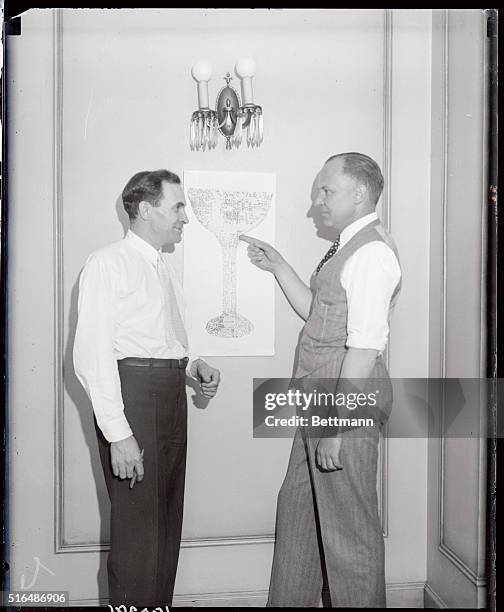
369,278
95,363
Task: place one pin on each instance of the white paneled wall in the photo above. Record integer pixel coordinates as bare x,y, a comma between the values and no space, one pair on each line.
100,95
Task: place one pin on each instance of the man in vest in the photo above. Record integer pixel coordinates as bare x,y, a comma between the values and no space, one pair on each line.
132,356
328,527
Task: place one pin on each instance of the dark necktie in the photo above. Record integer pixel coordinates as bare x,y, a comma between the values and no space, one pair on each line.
328,255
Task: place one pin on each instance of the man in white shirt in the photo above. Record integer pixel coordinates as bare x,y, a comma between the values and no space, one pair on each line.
131,355
328,527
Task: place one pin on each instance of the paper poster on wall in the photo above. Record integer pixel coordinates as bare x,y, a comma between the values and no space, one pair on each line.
230,303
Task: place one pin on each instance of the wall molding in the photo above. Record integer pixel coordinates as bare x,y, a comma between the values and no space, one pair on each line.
232,599
445,132
405,594
476,576
59,513
383,491
432,599
387,118
61,545
399,595
239,540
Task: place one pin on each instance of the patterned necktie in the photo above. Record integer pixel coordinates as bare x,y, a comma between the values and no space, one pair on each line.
328,255
174,323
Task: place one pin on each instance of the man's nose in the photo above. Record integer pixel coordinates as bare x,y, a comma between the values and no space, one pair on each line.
319,199
183,217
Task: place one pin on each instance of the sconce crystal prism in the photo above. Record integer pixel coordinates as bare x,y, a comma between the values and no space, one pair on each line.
230,117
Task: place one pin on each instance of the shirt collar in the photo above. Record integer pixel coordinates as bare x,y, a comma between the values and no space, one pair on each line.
350,230
142,246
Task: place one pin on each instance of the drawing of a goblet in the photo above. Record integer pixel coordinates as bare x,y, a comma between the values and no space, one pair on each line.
227,214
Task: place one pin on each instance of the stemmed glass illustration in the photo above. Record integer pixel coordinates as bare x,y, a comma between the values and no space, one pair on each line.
227,214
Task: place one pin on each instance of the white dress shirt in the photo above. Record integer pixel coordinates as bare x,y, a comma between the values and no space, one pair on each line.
369,277
121,315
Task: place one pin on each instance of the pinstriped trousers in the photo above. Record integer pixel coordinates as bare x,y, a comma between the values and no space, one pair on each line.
328,527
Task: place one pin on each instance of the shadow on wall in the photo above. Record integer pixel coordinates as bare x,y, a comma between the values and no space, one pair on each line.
122,215
84,408
81,401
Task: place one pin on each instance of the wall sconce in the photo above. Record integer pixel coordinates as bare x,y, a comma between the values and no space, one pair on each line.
230,117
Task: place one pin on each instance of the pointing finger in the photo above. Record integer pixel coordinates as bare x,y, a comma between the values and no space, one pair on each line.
247,239
255,242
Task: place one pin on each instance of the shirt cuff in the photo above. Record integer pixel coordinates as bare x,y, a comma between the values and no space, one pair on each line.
360,342
191,366
116,429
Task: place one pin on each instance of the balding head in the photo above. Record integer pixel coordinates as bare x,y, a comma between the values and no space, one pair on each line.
363,169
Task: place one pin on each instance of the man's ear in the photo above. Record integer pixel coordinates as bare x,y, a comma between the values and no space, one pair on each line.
360,194
144,210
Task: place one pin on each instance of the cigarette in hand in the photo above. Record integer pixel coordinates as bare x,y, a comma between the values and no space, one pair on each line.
133,480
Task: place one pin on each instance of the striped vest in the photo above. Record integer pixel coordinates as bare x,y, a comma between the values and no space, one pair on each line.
323,339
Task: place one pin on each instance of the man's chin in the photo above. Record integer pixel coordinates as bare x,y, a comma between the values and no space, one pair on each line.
326,221
172,239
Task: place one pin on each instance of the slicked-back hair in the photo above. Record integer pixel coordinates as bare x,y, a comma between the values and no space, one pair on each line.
146,186
364,170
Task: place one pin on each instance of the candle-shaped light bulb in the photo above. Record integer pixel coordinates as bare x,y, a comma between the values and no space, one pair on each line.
201,72
246,69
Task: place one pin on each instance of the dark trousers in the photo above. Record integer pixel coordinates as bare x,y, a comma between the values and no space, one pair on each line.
146,521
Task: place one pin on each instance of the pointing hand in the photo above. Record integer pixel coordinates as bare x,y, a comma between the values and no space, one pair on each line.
262,254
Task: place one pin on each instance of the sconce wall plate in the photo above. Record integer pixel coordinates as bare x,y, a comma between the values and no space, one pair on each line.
227,107
230,117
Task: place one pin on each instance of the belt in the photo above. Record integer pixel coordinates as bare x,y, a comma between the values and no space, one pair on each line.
150,362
